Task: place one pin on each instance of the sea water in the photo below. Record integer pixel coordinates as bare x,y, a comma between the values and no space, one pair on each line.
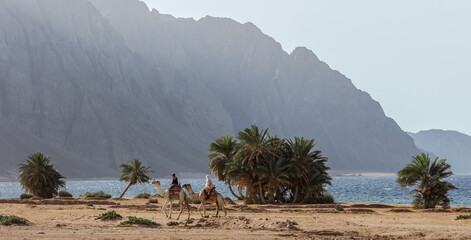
367,189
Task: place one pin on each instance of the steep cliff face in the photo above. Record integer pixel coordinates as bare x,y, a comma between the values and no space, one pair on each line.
257,82
451,145
69,78
100,82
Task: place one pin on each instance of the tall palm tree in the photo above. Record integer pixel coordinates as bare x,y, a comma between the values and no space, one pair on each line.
427,177
254,149
238,175
39,177
222,152
134,173
275,175
299,152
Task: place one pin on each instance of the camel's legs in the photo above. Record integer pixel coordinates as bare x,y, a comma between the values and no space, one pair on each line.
224,208
204,210
181,208
188,206
199,209
217,208
164,207
170,214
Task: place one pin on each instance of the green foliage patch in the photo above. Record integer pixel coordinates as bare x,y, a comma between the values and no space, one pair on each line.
25,196
143,195
99,194
139,221
10,220
108,216
65,193
153,200
326,197
338,207
461,217
291,222
173,223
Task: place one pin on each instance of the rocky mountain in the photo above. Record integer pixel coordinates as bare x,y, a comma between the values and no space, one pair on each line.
451,145
99,82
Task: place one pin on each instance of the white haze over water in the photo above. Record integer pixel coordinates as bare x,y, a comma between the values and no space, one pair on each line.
414,57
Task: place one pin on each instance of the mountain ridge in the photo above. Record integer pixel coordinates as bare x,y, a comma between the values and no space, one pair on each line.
112,80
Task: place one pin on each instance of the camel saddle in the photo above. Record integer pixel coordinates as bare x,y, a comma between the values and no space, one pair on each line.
209,193
174,192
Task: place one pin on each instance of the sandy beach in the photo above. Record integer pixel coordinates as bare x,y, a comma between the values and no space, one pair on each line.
63,218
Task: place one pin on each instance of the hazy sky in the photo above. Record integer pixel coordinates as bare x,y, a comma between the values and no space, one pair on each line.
414,57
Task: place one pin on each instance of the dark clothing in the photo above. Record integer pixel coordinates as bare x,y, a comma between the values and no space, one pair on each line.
175,181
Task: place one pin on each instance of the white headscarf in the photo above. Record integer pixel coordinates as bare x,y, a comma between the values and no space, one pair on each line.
209,183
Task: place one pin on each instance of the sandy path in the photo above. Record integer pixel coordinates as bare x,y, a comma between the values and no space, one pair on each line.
358,221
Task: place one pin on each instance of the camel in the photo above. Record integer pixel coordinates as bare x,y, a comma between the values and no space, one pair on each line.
216,198
166,195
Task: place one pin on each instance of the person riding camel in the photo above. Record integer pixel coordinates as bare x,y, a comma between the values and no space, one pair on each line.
174,181
209,188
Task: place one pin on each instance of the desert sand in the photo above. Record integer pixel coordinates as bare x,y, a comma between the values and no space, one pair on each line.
66,218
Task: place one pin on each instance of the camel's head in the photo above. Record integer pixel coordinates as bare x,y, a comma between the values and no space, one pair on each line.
155,182
187,186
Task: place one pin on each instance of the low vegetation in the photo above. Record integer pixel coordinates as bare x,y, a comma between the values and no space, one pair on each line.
427,177
25,196
338,207
10,220
143,195
108,216
139,221
326,198
189,221
461,217
153,200
99,194
89,204
65,193
270,169
291,222
173,223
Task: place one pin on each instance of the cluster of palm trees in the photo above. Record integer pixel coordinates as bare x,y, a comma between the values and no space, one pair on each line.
270,169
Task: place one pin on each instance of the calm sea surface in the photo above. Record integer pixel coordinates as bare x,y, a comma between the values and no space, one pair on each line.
345,189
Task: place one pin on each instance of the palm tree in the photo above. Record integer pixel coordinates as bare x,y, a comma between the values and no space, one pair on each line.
254,149
428,179
39,177
222,153
275,176
134,173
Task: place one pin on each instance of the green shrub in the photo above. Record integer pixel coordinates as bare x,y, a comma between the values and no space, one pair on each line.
64,193
89,204
99,194
153,200
10,220
139,221
291,222
143,195
194,201
189,221
25,196
108,216
326,197
248,199
338,207
172,223
460,217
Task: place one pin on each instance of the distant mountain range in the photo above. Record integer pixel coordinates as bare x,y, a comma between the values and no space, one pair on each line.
451,145
96,83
